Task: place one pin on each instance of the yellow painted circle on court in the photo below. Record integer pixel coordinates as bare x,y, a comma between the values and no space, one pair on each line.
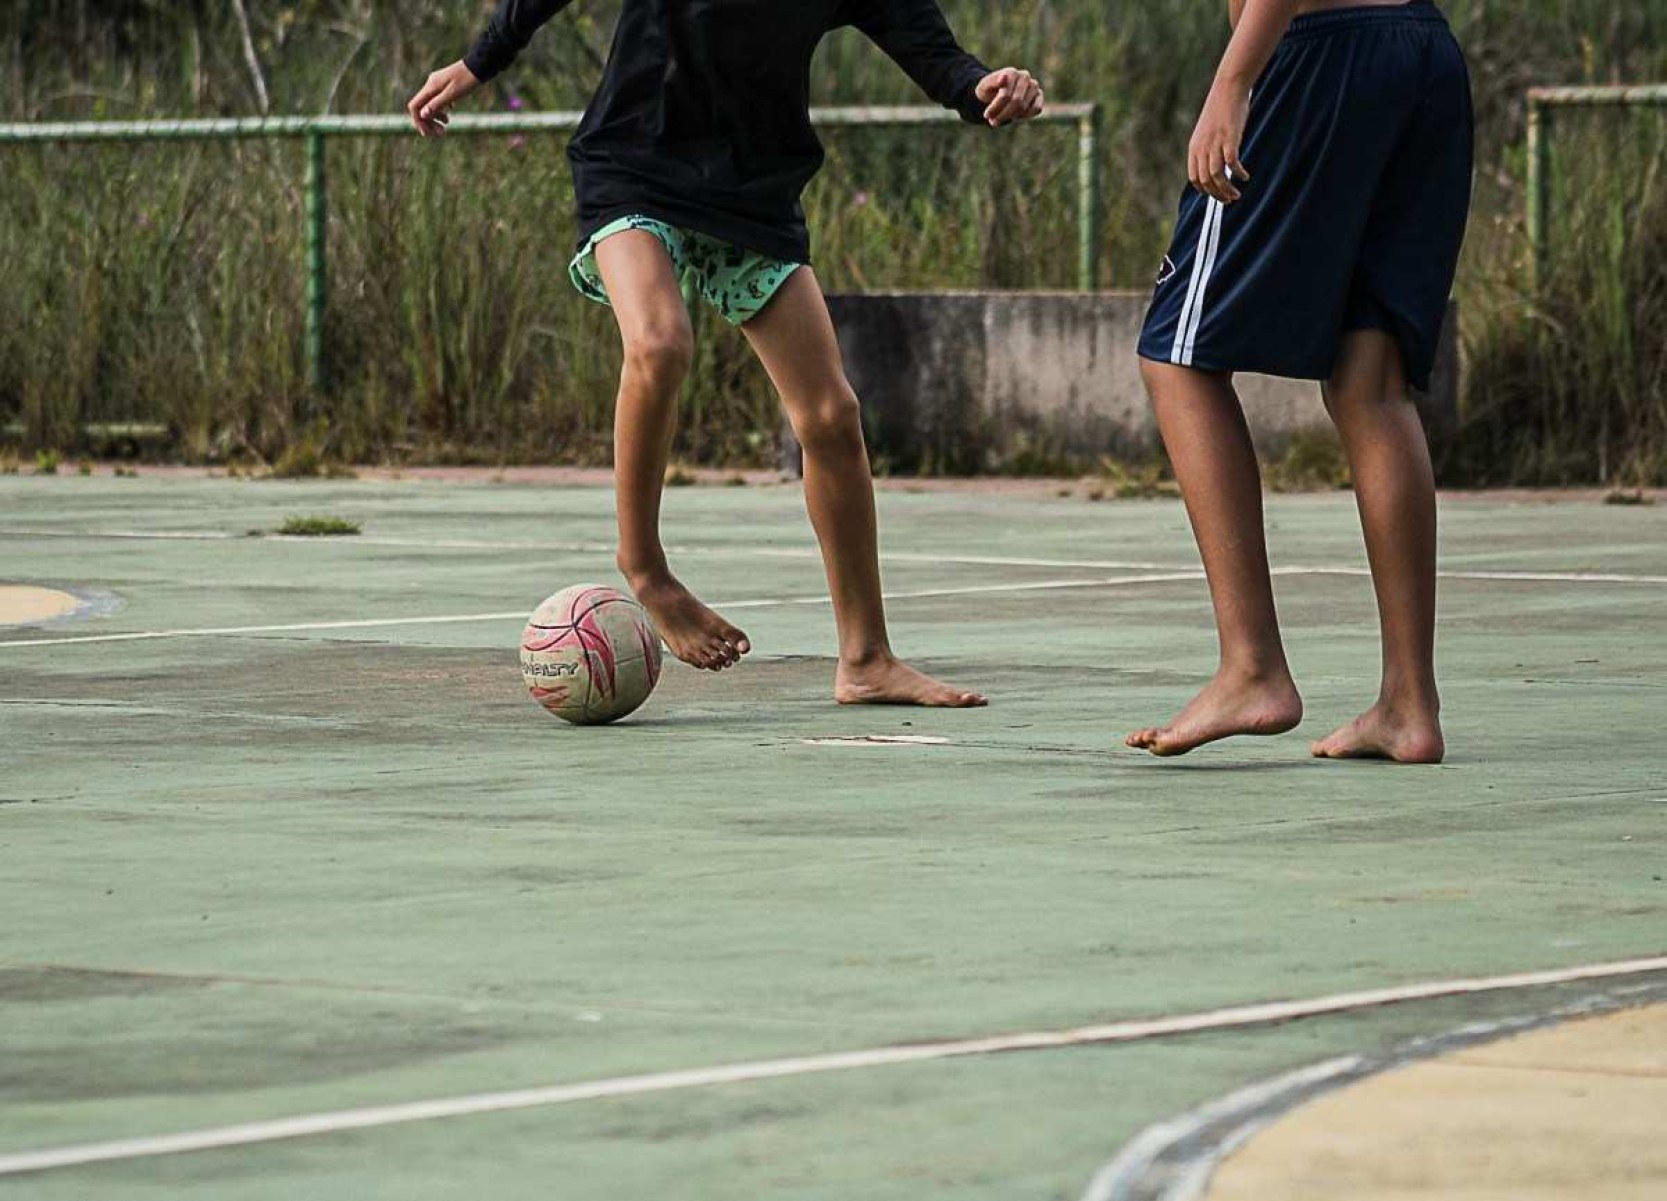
1574,1111
24,603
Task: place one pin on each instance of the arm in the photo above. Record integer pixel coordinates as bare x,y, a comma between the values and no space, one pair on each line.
508,33
1213,158
916,36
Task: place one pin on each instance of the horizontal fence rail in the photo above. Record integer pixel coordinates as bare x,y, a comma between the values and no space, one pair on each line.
315,130
1542,102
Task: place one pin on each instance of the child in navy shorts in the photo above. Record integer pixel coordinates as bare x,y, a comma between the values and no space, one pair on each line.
1331,174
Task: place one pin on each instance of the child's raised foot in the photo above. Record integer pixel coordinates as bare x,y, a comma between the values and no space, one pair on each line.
1229,705
1383,733
887,681
690,630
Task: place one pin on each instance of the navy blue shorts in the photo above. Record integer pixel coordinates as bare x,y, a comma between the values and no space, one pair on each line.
1360,149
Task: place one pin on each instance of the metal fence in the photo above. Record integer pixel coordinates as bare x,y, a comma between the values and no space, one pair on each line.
1542,103
315,131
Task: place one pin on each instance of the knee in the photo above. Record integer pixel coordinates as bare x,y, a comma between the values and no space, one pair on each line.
660,354
829,422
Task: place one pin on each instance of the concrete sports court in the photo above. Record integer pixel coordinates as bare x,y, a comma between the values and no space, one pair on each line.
305,898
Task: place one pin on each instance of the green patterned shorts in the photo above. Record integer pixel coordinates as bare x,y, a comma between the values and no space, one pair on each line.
736,282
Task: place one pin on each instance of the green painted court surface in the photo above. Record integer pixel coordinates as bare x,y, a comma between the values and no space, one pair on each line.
266,872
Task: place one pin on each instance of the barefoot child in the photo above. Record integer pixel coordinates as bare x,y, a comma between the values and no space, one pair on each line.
1327,253
690,162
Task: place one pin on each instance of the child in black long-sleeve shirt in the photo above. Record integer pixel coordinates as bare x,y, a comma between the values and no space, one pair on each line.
691,160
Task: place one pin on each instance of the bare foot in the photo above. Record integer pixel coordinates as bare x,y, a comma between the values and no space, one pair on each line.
691,631
1228,705
889,682
1385,733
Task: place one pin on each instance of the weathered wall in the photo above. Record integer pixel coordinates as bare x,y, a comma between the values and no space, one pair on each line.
960,382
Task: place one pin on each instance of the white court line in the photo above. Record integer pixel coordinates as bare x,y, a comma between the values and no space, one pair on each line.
751,552
1236,1017
1115,1179
473,618
1167,577
1518,577
810,553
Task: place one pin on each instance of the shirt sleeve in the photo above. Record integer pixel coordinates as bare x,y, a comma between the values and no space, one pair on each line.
511,28
918,38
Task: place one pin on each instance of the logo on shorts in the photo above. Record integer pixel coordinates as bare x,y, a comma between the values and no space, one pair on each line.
1167,272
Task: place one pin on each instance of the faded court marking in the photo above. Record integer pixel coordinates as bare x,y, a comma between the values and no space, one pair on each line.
880,740
1236,1018
476,618
1176,1159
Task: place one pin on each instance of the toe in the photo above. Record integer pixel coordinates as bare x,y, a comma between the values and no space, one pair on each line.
1167,744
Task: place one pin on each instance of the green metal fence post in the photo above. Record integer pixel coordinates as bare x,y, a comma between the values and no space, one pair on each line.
1088,199
318,229
1539,185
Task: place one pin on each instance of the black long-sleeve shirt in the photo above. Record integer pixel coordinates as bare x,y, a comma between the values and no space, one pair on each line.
702,119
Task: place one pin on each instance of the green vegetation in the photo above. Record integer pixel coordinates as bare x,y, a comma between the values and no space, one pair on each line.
47,462
163,283
318,527
1310,462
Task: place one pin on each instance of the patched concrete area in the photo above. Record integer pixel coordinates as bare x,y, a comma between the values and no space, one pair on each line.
24,604
1576,1111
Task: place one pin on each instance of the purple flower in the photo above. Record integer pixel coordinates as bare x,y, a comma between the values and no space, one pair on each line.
516,104
860,200
517,142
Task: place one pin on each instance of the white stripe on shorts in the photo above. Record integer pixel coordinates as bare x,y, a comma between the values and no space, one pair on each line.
1203,266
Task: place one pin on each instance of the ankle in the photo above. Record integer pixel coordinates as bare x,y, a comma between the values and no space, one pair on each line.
1418,703
865,657
1257,668
645,570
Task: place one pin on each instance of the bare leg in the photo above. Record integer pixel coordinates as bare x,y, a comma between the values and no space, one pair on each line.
794,339
1252,693
1395,490
659,344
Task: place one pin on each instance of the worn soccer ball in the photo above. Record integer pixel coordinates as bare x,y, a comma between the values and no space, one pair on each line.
590,655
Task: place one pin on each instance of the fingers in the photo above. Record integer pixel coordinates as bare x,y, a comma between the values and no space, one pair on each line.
1214,169
1198,169
1223,189
1002,82
993,83
1017,96
1240,175
430,108
435,113
418,107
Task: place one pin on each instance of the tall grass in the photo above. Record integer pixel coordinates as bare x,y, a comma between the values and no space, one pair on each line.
165,282
1567,379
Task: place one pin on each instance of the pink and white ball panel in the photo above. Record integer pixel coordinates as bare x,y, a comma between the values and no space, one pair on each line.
590,655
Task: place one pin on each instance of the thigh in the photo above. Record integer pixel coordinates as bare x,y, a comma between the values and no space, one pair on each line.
643,286
794,338
1410,249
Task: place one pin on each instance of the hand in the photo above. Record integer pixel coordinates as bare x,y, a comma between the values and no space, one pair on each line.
430,108
1213,158
1009,95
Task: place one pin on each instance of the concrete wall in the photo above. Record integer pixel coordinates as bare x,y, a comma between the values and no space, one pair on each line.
1031,381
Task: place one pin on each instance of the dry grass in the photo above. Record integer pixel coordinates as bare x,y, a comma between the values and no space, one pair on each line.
163,283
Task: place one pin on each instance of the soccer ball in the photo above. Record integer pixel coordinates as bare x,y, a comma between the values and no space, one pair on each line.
590,655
